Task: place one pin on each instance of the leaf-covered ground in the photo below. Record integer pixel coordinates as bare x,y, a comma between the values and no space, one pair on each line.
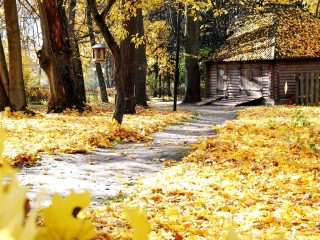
72,132
259,175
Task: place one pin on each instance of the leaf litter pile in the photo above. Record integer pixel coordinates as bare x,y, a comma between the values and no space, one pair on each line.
257,178
72,132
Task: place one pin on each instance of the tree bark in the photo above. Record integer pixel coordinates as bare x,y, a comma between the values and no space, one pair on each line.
168,88
16,93
192,79
77,81
4,100
116,53
140,63
56,57
102,84
128,56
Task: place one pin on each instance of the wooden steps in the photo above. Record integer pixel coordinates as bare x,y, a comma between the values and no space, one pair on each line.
233,101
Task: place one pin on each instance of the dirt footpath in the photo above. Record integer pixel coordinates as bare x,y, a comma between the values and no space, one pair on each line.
108,172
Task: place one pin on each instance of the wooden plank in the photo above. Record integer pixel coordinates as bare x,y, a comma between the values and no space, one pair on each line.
297,100
307,89
301,92
316,95
312,98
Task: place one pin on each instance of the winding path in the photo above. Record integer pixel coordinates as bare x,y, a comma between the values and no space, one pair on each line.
108,171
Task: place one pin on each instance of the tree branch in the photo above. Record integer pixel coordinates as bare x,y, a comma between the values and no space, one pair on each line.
107,9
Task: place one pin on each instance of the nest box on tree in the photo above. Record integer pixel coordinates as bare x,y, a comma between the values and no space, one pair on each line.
99,53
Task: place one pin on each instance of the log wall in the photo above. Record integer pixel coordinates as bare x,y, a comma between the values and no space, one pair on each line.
285,72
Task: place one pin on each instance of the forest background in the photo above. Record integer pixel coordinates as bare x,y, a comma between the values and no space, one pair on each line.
154,47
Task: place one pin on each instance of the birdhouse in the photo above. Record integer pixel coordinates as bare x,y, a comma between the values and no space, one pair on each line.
99,53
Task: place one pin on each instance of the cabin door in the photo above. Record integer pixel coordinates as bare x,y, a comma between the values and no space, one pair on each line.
222,79
251,81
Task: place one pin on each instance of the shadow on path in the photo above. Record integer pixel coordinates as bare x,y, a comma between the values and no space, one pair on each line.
106,172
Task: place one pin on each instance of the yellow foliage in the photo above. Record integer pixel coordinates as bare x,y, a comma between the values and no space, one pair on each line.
259,174
63,220
71,132
139,223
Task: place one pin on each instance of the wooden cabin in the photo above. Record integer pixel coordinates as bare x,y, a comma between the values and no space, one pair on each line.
264,54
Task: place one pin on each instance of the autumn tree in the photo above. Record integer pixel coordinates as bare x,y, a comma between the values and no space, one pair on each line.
13,83
192,71
128,55
140,61
57,58
99,19
4,100
102,84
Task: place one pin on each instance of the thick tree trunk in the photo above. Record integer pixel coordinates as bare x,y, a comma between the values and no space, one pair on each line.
102,84
4,100
192,80
77,81
56,57
128,56
140,63
116,53
16,93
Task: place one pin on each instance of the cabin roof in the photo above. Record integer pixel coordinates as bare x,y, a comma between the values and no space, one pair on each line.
276,32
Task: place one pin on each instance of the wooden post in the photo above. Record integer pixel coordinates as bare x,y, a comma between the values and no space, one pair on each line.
297,98
312,97
301,89
317,78
307,93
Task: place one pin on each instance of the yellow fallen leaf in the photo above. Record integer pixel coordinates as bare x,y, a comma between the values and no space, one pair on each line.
139,223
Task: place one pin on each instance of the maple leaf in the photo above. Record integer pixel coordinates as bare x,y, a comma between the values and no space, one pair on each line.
139,223
62,219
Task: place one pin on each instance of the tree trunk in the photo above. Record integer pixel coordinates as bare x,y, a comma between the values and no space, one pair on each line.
192,79
4,100
168,88
102,84
77,81
140,63
109,71
56,57
16,93
116,53
156,78
160,86
128,56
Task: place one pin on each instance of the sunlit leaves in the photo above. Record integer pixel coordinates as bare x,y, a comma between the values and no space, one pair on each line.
139,223
63,220
258,175
72,132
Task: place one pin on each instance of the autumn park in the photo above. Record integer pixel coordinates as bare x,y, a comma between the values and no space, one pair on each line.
159,119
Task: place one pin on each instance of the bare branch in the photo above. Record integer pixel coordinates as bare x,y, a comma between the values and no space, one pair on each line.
32,8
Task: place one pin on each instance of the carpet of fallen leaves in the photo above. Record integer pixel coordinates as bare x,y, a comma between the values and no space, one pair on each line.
73,132
259,175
